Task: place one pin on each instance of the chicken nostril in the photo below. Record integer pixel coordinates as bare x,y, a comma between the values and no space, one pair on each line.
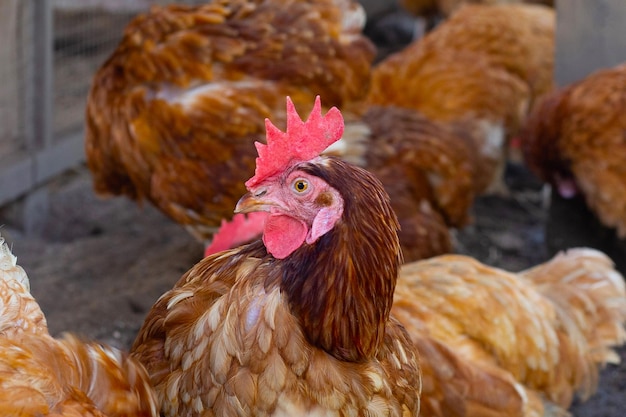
260,193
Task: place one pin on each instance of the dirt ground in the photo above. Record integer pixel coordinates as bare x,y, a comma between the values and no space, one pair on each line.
98,265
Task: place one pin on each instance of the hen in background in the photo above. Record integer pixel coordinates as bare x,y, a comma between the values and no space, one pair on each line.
41,376
485,66
426,167
575,140
173,114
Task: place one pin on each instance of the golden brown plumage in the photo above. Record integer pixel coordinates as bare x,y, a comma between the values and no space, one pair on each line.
44,376
305,331
19,312
539,333
483,66
233,322
575,140
173,113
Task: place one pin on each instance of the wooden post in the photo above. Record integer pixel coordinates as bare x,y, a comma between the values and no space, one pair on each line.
9,86
590,34
39,88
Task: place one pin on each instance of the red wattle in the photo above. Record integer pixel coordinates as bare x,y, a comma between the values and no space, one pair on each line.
283,235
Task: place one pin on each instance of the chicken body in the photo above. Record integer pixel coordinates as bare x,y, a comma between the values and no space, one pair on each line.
575,141
173,114
43,376
484,66
297,324
541,333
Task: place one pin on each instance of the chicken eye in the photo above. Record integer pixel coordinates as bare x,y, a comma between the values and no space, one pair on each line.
300,185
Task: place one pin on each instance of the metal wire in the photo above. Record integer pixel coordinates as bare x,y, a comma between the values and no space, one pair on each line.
86,33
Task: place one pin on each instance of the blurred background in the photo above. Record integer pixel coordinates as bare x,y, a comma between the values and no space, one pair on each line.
50,50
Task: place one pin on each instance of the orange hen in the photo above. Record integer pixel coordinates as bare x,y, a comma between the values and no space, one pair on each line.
43,376
483,66
172,115
539,334
575,141
426,167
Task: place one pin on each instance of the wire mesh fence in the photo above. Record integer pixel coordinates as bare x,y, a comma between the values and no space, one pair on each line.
86,32
49,51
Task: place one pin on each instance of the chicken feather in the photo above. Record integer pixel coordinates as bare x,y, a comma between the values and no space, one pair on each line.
540,333
44,376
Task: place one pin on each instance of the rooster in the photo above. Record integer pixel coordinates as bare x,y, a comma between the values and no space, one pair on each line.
41,376
575,140
173,114
486,66
279,327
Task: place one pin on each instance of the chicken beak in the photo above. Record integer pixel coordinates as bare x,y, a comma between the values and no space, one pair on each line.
252,202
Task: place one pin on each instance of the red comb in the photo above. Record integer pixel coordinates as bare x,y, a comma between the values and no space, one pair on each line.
302,140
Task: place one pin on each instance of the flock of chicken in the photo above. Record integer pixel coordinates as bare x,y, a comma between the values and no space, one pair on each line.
349,304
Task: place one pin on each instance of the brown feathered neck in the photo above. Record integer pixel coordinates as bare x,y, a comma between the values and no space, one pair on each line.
341,287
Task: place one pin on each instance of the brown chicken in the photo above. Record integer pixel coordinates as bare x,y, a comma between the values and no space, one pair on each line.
483,66
43,376
575,141
287,325
173,114
541,333
281,327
